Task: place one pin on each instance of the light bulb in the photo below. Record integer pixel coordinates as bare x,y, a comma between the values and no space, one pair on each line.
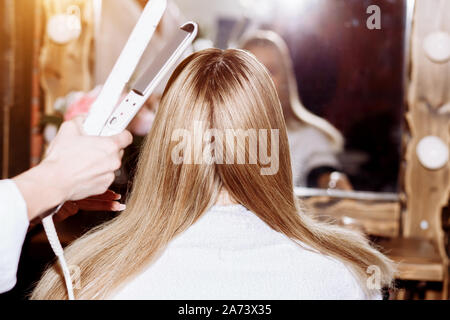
437,46
432,152
63,28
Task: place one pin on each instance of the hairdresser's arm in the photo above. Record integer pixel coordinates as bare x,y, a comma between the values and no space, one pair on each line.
76,167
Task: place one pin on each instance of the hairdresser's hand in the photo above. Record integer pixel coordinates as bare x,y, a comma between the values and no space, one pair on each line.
109,201
76,167
85,165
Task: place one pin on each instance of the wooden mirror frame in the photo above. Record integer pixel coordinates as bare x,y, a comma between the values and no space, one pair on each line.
414,222
427,191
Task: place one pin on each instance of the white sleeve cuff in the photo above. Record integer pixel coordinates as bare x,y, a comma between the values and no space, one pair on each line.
13,228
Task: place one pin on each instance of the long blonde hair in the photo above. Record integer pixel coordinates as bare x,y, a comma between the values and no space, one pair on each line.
222,90
270,39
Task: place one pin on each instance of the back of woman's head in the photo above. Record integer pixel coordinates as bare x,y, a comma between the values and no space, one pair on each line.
219,125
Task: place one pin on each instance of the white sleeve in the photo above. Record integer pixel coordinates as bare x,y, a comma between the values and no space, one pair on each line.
13,228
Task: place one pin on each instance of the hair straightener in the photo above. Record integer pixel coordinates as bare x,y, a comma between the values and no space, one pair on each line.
105,119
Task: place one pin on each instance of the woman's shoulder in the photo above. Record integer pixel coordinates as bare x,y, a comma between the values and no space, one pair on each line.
238,234
241,254
331,276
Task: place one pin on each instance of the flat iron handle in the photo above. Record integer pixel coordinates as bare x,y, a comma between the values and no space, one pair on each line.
125,66
123,115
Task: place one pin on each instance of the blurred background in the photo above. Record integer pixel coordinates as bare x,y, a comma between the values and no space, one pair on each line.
362,84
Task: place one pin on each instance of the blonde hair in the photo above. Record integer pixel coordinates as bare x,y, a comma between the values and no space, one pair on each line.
223,90
266,38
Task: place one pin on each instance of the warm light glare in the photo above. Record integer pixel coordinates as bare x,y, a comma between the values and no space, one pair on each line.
269,8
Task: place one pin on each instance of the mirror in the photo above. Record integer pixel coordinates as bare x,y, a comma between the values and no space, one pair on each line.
347,62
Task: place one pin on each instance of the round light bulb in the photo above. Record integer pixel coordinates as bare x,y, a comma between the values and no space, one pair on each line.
432,152
437,46
424,225
63,28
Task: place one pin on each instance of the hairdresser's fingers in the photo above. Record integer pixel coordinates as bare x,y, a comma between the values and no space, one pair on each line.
100,205
107,196
67,131
71,208
106,180
123,139
73,127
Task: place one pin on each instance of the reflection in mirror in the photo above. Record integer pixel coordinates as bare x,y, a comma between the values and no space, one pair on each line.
339,70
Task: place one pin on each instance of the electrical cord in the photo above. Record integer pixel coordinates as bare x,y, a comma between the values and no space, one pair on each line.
53,239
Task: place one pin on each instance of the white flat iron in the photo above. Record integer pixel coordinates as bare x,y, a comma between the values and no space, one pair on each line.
104,118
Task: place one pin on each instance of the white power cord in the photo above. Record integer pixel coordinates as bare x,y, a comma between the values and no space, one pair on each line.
57,248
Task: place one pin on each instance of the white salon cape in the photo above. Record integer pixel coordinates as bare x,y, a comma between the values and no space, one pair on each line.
230,253
13,228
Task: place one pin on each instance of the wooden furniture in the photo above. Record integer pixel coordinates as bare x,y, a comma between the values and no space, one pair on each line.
66,67
412,227
421,251
375,217
418,259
